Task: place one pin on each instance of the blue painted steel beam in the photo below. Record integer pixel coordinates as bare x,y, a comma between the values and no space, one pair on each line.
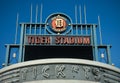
91,35
24,37
21,44
81,30
109,55
95,43
86,29
7,55
30,29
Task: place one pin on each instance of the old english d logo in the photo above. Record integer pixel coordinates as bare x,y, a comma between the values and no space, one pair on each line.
58,24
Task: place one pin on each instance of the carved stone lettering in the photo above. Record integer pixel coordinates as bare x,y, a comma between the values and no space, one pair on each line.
96,73
87,70
24,73
59,71
44,71
34,72
75,69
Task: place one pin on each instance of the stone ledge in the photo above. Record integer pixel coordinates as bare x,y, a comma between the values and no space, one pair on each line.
61,60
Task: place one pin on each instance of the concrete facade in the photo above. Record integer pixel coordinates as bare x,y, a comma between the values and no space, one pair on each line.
61,81
60,70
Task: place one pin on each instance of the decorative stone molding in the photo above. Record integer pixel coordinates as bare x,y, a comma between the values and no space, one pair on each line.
64,69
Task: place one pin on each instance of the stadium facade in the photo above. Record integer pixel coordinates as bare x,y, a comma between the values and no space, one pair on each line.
59,50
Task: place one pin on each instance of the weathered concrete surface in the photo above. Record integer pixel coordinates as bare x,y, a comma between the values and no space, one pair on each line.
60,70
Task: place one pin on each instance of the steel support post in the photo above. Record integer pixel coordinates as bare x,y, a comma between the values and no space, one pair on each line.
91,34
108,55
7,55
21,43
95,43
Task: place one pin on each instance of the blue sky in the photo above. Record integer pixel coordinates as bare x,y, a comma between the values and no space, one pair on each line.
108,10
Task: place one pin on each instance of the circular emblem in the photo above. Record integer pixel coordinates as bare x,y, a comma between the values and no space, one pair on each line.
58,23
